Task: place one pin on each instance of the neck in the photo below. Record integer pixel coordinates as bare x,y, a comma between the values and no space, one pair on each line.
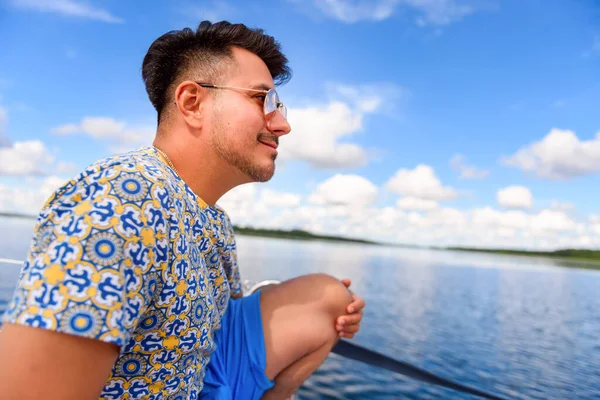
199,167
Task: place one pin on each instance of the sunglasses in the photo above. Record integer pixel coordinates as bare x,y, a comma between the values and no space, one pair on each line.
271,103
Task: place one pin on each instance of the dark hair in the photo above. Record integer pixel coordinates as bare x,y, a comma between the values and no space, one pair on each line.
174,54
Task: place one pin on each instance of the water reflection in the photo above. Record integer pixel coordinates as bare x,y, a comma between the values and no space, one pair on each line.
15,237
521,326
506,324
542,310
261,258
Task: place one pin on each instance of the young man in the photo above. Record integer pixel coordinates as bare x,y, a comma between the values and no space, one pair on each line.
129,286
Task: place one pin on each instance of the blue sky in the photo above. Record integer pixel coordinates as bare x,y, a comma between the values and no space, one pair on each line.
415,121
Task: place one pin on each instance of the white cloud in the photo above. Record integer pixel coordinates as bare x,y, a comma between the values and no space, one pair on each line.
273,198
321,133
448,217
439,12
515,197
467,171
96,127
488,217
429,12
357,10
65,168
25,158
561,206
215,10
240,194
439,226
445,226
28,197
380,98
551,221
544,223
413,203
122,137
347,190
594,223
366,103
559,155
420,183
68,8
315,136
250,205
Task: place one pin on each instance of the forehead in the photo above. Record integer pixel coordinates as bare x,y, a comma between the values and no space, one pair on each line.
250,70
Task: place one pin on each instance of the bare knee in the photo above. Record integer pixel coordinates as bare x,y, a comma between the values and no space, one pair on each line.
321,297
299,318
333,294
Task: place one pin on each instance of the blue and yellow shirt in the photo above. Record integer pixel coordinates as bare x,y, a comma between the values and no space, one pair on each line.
126,253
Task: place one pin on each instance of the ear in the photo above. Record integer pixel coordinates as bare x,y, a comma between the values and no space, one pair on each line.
190,100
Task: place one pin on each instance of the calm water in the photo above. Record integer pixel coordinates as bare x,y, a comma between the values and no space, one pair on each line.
525,328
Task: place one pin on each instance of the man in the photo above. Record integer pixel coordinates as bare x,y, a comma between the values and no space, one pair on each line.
129,286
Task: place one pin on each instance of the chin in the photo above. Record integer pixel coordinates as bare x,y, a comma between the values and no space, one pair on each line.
262,173
266,175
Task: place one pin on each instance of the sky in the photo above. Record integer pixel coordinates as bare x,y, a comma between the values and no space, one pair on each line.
427,122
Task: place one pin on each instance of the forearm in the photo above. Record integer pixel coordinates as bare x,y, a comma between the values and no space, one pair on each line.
37,363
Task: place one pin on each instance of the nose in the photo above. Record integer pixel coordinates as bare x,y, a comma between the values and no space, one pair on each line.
277,124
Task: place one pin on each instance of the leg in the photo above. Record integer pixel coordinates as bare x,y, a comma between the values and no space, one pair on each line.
299,326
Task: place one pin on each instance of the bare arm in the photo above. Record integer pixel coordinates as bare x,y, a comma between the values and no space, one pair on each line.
37,363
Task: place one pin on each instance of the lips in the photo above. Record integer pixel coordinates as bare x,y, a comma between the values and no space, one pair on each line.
270,144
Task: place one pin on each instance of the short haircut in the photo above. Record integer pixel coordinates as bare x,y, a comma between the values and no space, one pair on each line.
171,58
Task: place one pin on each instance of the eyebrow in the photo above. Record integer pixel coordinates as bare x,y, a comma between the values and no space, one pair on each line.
261,86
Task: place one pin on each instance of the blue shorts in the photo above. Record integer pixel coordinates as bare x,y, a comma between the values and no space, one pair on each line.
237,367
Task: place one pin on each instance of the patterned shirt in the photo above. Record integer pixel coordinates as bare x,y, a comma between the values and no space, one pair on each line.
126,253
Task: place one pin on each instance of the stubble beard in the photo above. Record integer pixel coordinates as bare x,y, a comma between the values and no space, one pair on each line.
243,162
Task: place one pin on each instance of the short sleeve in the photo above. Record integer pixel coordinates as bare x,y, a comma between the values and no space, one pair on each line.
92,260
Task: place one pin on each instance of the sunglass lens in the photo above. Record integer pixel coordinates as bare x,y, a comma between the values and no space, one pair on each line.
272,104
271,101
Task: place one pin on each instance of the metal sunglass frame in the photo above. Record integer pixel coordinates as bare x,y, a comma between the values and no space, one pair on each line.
279,106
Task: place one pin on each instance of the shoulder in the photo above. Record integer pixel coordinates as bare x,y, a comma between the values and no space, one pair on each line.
223,217
220,211
142,164
133,183
128,175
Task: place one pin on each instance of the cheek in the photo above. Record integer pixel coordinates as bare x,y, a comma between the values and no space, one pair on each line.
242,122
248,125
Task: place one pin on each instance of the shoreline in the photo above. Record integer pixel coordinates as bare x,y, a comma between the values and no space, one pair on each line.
579,255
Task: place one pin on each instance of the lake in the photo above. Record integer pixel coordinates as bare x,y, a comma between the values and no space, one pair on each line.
522,327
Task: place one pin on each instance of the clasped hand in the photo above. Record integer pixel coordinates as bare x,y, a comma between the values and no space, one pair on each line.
349,324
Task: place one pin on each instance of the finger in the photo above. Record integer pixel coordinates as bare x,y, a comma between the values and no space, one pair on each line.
356,305
352,319
351,328
346,335
348,328
349,319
